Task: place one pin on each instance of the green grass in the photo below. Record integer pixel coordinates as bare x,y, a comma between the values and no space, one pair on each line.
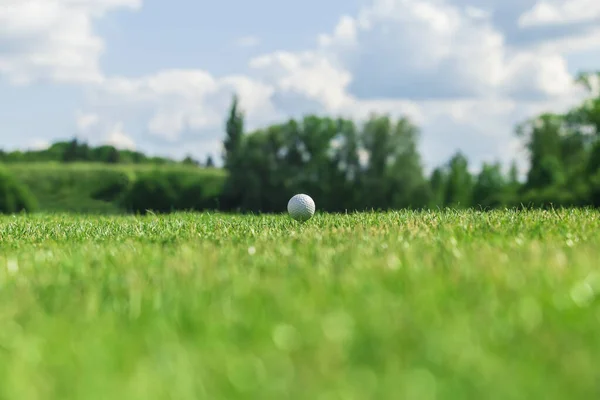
439,305
60,187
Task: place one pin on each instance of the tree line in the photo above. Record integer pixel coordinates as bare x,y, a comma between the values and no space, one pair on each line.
76,150
374,165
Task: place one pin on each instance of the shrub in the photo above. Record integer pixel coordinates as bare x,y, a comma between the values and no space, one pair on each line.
194,192
151,192
14,196
549,197
167,191
114,187
104,189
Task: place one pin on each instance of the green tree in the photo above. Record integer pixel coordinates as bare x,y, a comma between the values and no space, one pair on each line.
189,160
234,158
234,129
404,176
460,183
347,178
544,143
70,152
393,175
587,114
376,139
14,196
437,183
113,156
513,185
151,192
490,189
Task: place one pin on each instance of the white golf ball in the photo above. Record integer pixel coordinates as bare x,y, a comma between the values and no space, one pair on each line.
301,207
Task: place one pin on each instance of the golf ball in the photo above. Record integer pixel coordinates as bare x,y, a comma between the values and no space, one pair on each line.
301,207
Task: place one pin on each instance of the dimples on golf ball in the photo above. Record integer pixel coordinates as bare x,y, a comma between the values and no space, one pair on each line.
301,207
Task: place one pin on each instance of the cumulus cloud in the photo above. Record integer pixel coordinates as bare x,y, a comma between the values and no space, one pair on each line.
38,144
96,130
171,103
560,12
53,40
120,140
446,66
429,49
86,121
458,71
304,76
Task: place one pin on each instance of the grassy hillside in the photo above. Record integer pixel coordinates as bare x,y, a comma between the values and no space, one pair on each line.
436,305
82,187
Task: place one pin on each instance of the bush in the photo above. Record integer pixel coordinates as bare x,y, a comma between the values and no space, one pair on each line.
114,187
549,197
167,191
105,189
194,192
151,192
14,196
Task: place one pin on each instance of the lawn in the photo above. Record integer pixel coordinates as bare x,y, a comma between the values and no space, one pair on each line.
408,305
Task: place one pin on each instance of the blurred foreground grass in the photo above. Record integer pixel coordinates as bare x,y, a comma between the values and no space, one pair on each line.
437,305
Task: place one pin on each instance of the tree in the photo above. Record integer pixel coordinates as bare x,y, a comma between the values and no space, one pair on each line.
543,141
234,129
189,160
588,113
404,174
14,196
233,158
376,139
460,183
345,149
70,153
113,156
393,175
209,162
437,183
490,187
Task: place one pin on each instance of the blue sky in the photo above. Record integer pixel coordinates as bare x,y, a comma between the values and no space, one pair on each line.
158,76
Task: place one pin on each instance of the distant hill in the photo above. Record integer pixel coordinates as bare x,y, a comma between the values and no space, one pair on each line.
98,188
76,151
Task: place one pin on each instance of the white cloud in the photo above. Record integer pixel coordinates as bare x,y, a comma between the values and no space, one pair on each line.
476,13
446,65
304,76
53,39
426,49
176,102
558,12
248,41
585,43
38,144
86,121
118,138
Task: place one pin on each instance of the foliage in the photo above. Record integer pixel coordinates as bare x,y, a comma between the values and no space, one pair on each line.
14,196
105,189
491,189
162,191
345,165
77,151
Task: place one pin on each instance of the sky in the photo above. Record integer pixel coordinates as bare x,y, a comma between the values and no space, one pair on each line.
158,76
